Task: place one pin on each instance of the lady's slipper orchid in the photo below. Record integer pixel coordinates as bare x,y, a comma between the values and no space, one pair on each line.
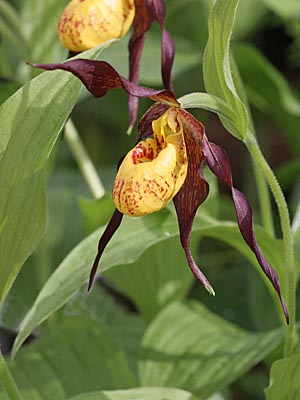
171,149
88,23
152,173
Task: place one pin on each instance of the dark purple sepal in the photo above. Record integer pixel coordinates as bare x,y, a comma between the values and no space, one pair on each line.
146,12
158,11
217,160
141,24
111,228
99,77
194,190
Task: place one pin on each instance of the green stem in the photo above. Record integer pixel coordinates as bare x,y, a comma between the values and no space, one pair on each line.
7,381
264,200
83,160
259,159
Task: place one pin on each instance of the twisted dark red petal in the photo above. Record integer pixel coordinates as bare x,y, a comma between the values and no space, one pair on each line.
99,77
146,12
111,228
158,11
194,190
141,24
218,162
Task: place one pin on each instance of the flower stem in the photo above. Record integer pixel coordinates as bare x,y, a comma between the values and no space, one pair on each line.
7,381
264,200
83,160
259,159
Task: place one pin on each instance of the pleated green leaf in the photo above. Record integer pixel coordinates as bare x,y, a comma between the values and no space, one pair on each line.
80,355
217,68
31,120
158,277
189,347
134,237
158,393
284,379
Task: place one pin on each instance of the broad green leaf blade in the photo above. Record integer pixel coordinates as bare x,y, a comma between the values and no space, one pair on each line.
217,73
158,393
284,379
31,120
79,355
189,347
11,28
289,9
269,91
40,24
126,328
158,277
134,237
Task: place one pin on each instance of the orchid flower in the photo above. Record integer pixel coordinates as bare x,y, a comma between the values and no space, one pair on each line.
87,23
166,164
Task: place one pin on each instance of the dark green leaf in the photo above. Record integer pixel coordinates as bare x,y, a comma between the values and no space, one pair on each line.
134,237
217,69
78,356
138,394
155,279
31,120
284,379
189,347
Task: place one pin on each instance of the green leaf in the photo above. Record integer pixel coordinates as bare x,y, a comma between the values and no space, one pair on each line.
211,103
189,347
158,393
155,279
289,9
217,73
269,91
31,120
64,363
95,212
134,237
296,238
7,88
284,379
125,327
11,28
40,25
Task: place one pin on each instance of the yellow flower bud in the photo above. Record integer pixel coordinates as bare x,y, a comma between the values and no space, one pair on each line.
87,23
154,170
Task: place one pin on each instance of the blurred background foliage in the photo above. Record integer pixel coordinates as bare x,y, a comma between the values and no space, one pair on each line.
266,48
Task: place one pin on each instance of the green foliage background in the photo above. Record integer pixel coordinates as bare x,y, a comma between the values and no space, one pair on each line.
147,331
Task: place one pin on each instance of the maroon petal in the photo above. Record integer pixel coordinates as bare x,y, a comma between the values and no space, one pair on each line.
99,77
145,14
193,192
111,228
158,10
141,24
218,162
